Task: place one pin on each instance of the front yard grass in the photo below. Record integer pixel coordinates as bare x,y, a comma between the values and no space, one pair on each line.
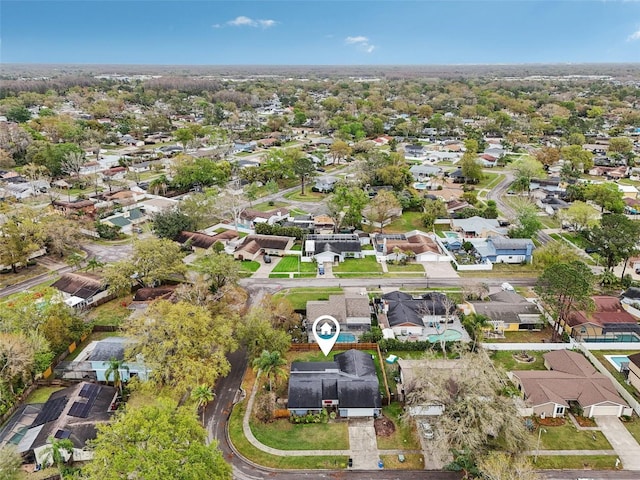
404,437
409,267
358,267
569,437
308,196
284,435
249,266
41,394
633,425
113,312
507,362
558,462
291,264
298,297
412,461
268,206
405,223
26,273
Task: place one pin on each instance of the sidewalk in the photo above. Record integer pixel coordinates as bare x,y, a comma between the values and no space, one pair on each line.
576,453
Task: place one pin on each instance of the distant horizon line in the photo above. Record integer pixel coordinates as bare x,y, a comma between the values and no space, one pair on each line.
501,64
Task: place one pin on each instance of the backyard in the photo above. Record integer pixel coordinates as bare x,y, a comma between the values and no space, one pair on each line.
405,223
599,354
506,360
524,336
113,312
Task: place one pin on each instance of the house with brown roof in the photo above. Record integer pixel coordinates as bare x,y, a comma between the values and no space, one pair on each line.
569,380
605,323
75,207
204,241
249,218
352,312
82,289
422,245
255,245
323,224
634,370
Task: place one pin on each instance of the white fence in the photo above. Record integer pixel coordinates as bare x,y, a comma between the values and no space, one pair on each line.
536,347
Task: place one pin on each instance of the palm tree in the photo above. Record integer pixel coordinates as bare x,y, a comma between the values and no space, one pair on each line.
476,324
93,263
202,394
55,449
114,367
271,363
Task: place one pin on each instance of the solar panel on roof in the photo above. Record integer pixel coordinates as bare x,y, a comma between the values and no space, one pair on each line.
89,390
50,411
80,410
62,434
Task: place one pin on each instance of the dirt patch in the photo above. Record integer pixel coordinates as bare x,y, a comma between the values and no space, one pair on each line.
585,422
550,422
384,427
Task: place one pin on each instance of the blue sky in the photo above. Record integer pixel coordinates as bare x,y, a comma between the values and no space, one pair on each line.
330,32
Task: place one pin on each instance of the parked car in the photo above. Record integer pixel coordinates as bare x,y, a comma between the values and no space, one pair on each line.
320,269
426,429
507,287
267,258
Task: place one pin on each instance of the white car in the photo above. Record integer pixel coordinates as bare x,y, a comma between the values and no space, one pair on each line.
427,430
507,287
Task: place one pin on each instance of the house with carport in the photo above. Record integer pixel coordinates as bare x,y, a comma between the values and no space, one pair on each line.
255,245
569,380
352,312
332,248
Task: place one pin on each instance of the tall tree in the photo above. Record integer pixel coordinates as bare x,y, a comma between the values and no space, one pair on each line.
220,268
606,195
72,163
170,223
580,159
203,395
114,367
527,221
615,239
526,169
382,208
301,165
470,167
548,155
154,442
20,236
339,150
564,287
153,260
258,332
501,466
580,216
58,452
183,344
345,205
10,462
273,366
475,413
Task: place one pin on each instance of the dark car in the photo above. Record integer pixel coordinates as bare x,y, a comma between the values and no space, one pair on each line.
591,249
267,259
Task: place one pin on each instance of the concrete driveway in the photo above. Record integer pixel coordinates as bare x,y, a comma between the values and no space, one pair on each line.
621,440
363,443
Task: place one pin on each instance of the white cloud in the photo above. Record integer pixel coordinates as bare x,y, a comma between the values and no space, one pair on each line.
243,21
634,36
361,43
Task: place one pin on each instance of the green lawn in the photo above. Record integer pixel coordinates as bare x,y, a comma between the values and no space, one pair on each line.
292,264
249,266
489,179
110,313
308,196
284,435
633,426
410,267
41,394
407,222
558,462
266,207
507,362
8,279
404,437
412,461
359,266
568,437
298,297
524,336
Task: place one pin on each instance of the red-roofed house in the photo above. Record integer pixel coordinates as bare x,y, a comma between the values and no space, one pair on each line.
608,318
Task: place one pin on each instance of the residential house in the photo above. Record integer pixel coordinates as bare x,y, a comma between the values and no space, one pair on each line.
352,312
22,190
75,207
634,370
81,290
423,172
255,245
477,227
487,160
628,191
407,315
71,413
415,151
569,379
332,248
204,241
504,250
324,184
249,218
409,373
348,385
611,173
608,322
454,205
422,246
126,220
323,225
632,294
509,311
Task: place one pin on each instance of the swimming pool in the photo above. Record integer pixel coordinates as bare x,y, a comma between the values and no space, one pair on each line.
420,186
346,337
618,337
448,336
451,235
617,360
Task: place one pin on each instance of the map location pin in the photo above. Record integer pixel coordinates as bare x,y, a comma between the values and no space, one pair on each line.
326,330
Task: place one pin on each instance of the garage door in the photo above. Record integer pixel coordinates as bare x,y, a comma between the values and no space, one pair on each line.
605,410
